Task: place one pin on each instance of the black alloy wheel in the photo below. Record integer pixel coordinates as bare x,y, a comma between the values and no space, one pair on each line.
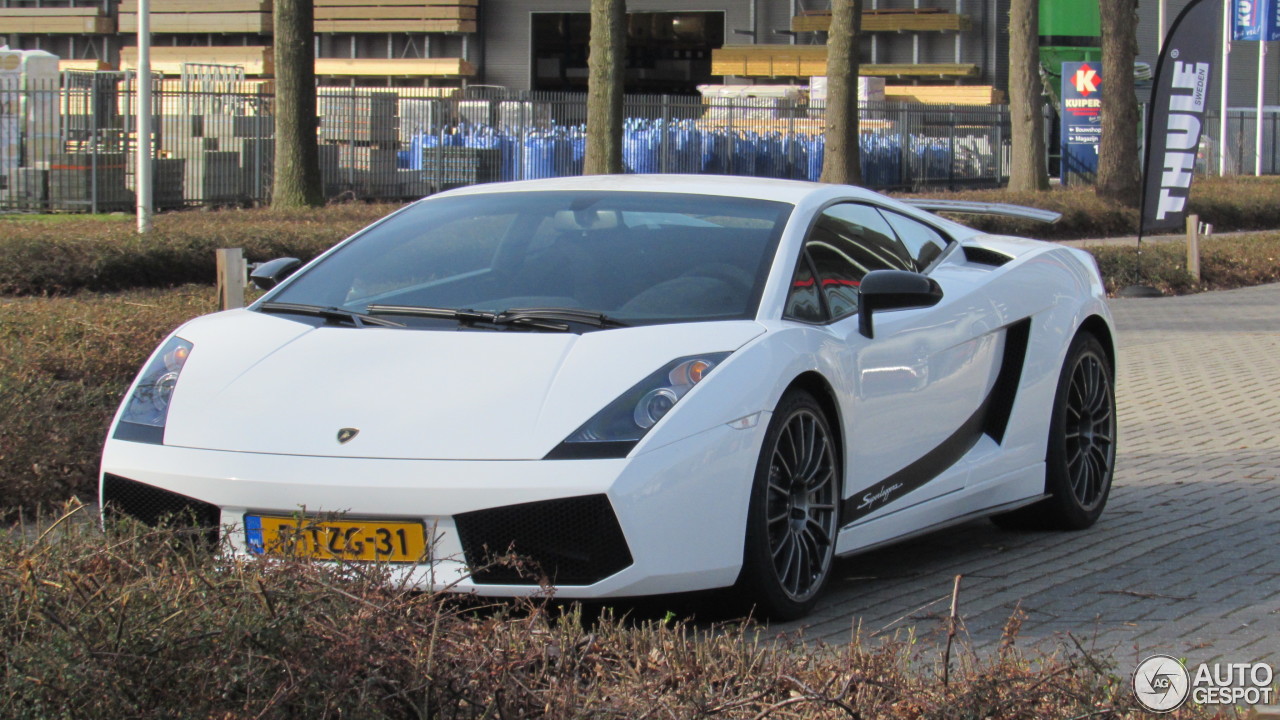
794,514
1080,458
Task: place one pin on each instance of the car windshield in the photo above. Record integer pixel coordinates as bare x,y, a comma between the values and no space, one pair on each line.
633,257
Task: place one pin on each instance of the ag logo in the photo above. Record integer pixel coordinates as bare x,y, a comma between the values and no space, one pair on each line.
345,435
1085,80
1161,683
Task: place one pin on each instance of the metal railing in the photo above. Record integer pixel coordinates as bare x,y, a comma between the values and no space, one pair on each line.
70,146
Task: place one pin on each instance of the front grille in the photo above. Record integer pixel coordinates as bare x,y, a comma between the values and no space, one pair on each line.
568,541
155,507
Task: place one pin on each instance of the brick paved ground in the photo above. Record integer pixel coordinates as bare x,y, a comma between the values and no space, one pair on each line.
1185,560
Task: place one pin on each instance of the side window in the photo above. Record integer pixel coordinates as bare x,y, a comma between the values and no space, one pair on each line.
803,302
923,242
847,242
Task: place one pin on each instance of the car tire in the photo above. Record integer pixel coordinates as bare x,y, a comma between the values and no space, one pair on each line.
1081,453
794,512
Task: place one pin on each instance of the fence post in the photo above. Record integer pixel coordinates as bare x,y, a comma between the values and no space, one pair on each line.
231,278
1193,246
951,167
666,130
93,148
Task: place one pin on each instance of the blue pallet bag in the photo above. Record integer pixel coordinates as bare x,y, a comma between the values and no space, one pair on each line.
744,154
686,155
578,149
535,157
640,145
817,145
793,153
712,145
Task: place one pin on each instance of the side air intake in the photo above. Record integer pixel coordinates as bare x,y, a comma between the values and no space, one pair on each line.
985,256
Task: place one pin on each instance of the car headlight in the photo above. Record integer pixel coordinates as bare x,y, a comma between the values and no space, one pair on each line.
147,407
613,431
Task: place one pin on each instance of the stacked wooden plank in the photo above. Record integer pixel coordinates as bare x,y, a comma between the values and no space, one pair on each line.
256,60
362,129
810,60
85,65
56,21
394,67
251,17
945,94
358,118
906,20
378,16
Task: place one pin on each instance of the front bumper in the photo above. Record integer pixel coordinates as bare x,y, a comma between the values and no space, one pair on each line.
681,508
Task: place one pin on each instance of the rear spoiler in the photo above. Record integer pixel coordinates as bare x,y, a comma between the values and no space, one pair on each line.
984,208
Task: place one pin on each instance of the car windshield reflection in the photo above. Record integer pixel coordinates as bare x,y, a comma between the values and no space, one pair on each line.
632,257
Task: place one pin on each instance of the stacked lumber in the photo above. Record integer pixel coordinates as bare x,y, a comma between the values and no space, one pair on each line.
944,94
395,67
803,126
56,21
251,17
809,60
84,65
907,20
947,70
378,16
358,118
255,59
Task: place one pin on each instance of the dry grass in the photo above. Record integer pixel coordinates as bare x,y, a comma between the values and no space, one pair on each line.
136,623
1225,263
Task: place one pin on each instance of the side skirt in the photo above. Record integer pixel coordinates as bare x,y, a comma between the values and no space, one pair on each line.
1008,492
976,515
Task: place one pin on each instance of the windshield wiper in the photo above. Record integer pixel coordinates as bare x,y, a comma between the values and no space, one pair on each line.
328,313
470,317
564,314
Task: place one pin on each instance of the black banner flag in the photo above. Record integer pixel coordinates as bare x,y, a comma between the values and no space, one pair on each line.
1179,99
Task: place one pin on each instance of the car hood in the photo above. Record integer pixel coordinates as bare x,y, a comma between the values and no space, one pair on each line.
269,384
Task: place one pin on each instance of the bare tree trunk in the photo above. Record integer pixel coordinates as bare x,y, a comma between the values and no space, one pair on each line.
1027,170
842,154
297,172
1119,168
606,67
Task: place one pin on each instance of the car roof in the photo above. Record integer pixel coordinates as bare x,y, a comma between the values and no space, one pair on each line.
788,191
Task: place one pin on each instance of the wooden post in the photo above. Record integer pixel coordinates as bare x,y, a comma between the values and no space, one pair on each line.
1193,246
231,278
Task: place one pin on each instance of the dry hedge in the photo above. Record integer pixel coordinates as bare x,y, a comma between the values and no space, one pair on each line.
74,255
136,623
65,363
1233,203
92,254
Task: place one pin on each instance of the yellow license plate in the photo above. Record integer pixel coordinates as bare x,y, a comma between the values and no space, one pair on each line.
324,539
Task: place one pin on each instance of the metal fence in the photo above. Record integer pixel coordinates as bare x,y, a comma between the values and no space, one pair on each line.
70,147
1242,142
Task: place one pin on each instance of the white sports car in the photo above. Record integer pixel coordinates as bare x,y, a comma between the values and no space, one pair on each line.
633,385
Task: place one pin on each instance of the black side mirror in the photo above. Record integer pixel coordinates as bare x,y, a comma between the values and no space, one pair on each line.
269,274
894,290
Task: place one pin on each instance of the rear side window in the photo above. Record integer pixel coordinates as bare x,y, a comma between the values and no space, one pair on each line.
923,243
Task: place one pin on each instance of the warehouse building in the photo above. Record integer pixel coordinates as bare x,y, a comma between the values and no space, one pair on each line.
542,44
